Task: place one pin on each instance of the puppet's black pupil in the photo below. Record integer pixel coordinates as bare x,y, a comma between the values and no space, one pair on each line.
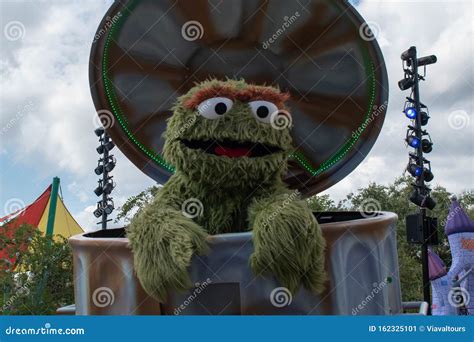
262,112
220,108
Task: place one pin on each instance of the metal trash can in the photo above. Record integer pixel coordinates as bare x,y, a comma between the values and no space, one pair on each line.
361,262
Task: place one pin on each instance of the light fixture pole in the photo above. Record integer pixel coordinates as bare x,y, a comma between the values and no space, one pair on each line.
105,164
421,194
105,177
420,182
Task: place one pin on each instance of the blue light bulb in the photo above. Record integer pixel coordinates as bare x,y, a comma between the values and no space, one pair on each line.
410,112
413,141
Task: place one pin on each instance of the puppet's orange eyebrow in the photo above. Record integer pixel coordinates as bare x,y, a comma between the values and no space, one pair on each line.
251,93
210,92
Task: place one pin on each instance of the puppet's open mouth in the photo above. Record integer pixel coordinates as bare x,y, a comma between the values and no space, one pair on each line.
232,149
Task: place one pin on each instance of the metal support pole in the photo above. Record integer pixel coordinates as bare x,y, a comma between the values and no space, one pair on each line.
420,182
53,201
105,176
52,206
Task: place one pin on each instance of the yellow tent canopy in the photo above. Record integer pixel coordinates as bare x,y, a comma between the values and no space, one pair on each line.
47,212
64,223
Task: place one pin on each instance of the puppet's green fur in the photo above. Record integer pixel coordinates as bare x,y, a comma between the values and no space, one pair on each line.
237,194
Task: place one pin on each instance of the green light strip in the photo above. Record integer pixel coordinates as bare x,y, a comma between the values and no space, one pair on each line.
111,96
298,156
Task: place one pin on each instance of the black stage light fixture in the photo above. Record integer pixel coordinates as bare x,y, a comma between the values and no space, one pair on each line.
424,118
414,170
109,145
410,113
422,201
110,165
416,198
417,171
406,83
429,203
98,212
108,187
99,190
99,131
413,141
427,60
99,169
427,175
408,54
109,207
105,206
426,145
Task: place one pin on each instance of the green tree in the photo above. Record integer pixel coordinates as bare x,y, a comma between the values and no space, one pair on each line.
394,198
40,280
135,203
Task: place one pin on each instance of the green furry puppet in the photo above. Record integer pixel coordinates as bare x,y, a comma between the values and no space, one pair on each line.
229,147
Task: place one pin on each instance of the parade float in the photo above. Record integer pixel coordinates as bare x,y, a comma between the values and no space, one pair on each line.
148,53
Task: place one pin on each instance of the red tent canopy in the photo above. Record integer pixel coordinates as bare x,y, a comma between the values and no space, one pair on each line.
30,215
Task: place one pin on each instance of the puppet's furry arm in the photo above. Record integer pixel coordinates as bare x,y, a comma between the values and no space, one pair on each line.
163,242
288,242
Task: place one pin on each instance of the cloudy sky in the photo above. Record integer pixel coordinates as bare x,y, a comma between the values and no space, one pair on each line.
47,114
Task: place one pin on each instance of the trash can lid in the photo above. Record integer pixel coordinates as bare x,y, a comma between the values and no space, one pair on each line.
146,53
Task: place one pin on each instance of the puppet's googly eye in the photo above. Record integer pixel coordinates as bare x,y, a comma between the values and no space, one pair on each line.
263,110
215,107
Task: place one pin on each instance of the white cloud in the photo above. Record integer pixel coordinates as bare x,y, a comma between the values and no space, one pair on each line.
49,68
443,29
86,218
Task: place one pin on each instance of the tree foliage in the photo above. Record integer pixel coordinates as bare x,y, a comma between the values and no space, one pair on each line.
41,279
394,198
135,203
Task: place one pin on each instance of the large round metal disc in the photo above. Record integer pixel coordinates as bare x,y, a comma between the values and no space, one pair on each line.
148,52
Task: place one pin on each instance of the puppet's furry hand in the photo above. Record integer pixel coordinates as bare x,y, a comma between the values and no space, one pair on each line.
288,243
163,242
